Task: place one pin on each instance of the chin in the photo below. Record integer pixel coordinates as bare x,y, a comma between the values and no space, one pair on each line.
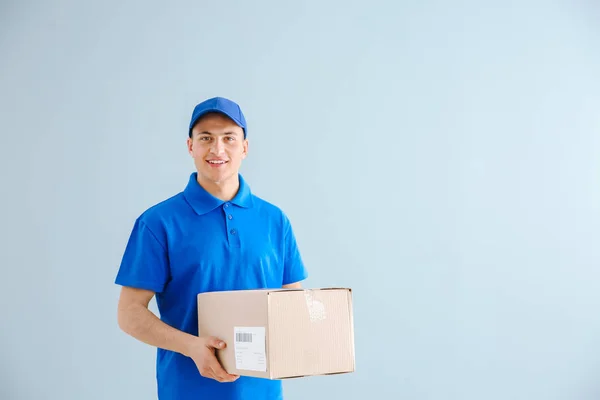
217,178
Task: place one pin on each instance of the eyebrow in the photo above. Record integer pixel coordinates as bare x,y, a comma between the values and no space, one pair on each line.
224,133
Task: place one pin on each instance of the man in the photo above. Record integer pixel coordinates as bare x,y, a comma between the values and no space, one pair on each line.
214,235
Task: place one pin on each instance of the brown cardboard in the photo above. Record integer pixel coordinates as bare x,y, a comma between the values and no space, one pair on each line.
281,333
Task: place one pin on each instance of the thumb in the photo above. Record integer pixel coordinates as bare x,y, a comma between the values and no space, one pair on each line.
215,342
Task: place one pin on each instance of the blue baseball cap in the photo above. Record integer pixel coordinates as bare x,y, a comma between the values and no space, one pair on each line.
219,105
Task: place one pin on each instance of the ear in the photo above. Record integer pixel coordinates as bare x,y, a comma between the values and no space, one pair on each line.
190,145
245,149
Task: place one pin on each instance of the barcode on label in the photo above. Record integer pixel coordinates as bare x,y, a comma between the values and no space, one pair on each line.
243,337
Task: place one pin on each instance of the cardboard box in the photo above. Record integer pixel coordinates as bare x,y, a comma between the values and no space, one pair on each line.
281,333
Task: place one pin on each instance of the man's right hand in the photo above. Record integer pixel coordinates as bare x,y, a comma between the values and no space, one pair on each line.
202,351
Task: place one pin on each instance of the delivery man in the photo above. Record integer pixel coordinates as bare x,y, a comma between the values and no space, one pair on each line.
214,235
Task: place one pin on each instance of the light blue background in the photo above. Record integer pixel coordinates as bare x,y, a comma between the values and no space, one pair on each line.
440,158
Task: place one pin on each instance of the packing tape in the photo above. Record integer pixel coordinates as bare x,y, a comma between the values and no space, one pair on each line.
316,309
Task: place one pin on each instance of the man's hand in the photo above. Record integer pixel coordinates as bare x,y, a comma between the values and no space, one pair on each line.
202,351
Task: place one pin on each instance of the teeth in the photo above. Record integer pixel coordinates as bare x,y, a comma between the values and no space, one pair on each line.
217,162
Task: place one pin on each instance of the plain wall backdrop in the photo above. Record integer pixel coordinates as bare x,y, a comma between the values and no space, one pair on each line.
442,159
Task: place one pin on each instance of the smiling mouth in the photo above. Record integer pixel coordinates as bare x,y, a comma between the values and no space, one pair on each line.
217,162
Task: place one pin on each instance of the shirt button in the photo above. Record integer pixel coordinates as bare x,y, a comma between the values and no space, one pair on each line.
232,231
230,216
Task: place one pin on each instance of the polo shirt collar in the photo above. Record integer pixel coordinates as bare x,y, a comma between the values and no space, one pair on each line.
203,202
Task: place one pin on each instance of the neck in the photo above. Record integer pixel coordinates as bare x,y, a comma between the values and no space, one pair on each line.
224,190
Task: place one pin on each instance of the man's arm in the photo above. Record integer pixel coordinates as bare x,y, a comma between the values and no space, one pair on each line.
137,320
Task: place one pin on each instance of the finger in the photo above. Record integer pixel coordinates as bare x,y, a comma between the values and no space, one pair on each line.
218,370
221,373
215,342
219,376
211,375
208,373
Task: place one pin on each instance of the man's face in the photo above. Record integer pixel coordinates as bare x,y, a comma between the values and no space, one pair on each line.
218,147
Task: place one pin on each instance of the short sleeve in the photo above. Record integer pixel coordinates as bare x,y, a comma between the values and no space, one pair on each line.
145,263
294,268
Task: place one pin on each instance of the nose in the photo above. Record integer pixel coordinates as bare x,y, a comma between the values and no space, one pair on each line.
217,147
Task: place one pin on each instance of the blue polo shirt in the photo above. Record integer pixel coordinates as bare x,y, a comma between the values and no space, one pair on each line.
193,243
